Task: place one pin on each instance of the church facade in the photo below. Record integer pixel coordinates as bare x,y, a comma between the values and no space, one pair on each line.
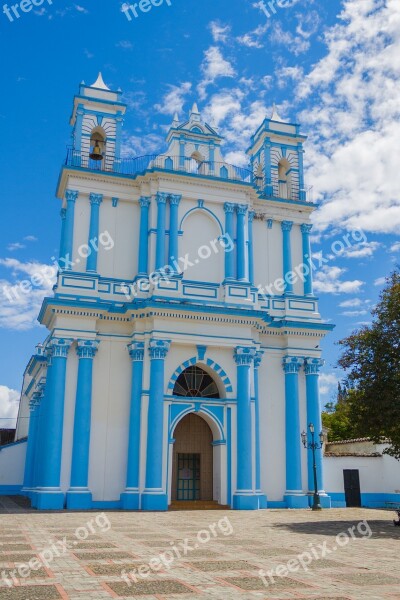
183,353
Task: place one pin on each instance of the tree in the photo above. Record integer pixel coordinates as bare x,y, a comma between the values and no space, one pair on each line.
371,359
337,418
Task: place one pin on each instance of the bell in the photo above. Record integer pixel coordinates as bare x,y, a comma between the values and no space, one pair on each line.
96,154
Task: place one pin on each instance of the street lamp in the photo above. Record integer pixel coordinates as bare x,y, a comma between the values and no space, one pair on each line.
313,445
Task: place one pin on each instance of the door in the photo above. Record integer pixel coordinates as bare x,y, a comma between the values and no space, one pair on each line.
352,487
188,477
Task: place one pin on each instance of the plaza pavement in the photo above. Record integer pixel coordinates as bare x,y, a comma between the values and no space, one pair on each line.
221,554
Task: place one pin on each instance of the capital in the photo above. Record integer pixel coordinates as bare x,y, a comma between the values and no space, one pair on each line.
292,364
229,207
60,347
241,209
87,348
96,199
252,214
258,358
244,355
144,201
312,366
175,199
161,197
63,213
136,351
306,228
287,225
158,349
34,402
71,195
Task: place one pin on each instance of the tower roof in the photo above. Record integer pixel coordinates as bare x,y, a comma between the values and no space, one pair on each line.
99,83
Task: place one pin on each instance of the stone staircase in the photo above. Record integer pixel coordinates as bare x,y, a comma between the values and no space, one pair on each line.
197,505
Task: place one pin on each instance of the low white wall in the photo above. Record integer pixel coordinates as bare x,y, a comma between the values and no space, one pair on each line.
378,475
12,465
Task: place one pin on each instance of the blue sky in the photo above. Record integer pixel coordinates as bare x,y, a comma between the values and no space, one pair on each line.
332,66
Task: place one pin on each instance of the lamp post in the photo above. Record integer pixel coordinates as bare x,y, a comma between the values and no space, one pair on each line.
313,445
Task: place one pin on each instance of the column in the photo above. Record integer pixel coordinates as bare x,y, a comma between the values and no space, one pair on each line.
79,496
174,201
241,241
71,197
160,244
294,496
63,214
41,429
245,497
308,275
130,498
257,362
302,191
95,201
143,265
229,256
49,495
267,168
34,405
312,368
154,496
251,246
287,256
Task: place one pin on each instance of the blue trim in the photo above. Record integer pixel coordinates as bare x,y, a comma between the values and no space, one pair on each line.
24,441
229,454
11,490
202,208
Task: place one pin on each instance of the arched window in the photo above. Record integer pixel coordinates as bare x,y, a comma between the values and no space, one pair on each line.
97,143
284,179
194,382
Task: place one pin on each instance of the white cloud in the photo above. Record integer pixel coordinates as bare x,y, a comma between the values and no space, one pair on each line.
21,297
328,280
328,384
253,39
9,403
15,246
219,32
124,44
138,145
380,281
353,119
354,313
213,67
364,250
296,44
395,247
174,99
350,303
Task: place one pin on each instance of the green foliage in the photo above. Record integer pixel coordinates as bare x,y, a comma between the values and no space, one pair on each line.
371,359
337,418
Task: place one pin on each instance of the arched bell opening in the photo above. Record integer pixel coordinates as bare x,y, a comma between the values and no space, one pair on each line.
97,144
284,179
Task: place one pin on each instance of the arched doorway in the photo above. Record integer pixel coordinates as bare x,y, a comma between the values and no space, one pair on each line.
192,466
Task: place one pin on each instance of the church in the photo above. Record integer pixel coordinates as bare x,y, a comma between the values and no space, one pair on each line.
183,350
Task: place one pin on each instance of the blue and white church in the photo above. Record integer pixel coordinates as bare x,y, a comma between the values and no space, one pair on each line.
183,350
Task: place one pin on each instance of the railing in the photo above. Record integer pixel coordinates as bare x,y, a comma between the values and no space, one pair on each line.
141,164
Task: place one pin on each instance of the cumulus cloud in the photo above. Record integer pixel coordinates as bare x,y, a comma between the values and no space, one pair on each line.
174,99
328,280
9,403
214,66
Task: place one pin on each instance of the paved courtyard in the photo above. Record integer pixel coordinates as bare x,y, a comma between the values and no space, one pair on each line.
341,554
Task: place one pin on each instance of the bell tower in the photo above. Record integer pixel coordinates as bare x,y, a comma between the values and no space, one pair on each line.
97,119
276,156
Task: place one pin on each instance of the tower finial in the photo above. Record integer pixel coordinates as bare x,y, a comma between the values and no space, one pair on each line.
99,83
275,116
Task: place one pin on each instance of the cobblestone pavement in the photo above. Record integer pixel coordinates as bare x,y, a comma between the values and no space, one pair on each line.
197,554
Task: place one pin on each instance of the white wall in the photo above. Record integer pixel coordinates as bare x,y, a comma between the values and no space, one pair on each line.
12,464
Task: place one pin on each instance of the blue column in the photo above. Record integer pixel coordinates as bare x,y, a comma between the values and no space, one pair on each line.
50,495
63,214
257,362
294,496
160,244
95,201
34,405
79,496
130,498
229,256
267,168
41,428
143,266
241,241
308,275
154,496
71,197
251,246
312,368
287,256
174,201
302,191
245,497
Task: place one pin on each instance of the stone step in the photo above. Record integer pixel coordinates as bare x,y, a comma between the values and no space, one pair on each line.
197,505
